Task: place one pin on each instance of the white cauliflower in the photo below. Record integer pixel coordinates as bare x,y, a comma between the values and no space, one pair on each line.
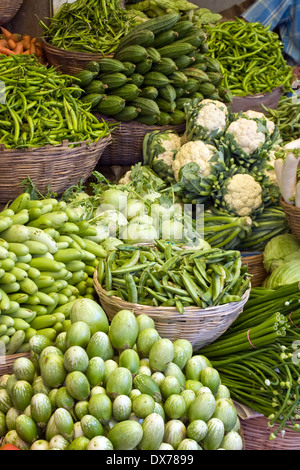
243,194
257,115
160,152
212,115
170,142
195,151
246,135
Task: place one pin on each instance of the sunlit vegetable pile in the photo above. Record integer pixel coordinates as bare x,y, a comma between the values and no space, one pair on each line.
118,388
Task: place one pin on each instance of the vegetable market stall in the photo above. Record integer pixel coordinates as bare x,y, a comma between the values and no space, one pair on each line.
168,78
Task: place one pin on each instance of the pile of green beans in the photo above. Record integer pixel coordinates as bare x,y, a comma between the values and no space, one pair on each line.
41,107
169,276
47,262
250,56
88,26
259,366
286,117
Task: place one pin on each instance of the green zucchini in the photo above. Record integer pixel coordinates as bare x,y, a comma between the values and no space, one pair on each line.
177,117
192,72
129,68
183,62
144,66
165,106
153,54
129,91
85,77
166,65
156,79
149,92
178,79
113,80
167,92
145,106
164,118
96,86
93,66
134,53
191,86
159,24
109,65
183,28
206,88
142,38
111,105
165,38
176,49
137,79
216,78
212,65
129,113
93,99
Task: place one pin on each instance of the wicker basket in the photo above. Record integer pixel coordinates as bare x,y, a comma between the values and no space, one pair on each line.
52,167
254,102
6,362
255,263
69,62
293,217
8,9
199,326
127,145
256,436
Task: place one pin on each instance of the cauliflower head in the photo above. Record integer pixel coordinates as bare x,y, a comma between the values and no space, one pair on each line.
243,194
212,115
170,143
246,134
195,151
208,119
257,115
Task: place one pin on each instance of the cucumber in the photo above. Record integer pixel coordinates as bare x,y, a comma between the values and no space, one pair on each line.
176,49
164,118
93,66
85,77
182,28
167,92
129,68
166,106
183,62
178,79
148,120
137,79
153,54
93,99
111,105
177,117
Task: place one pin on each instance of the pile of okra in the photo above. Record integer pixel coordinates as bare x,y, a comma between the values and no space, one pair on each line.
165,275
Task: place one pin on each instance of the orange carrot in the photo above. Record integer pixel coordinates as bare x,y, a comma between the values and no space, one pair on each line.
26,52
26,37
19,48
32,46
3,43
6,33
4,50
26,44
38,49
11,43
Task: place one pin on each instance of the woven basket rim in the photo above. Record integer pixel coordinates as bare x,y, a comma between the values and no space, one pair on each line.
290,208
75,54
171,311
65,145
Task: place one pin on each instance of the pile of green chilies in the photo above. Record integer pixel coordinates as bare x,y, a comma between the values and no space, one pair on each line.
41,107
250,56
88,26
165,275
286,117
259,365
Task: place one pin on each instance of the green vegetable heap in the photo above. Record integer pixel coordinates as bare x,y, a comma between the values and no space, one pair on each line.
251,57
121,387
41,107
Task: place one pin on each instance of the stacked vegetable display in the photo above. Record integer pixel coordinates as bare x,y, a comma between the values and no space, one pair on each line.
115,387
250,56
158,66
40,106
224,161
14,43
163,275
47,262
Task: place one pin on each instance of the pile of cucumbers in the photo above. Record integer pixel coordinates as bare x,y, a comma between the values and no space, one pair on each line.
120,388
160,65
47,262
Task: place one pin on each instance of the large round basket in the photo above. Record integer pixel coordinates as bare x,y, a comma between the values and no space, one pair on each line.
254,102
53,168
69,62
127,141
255,263
257,432
199,326
6,362
8,9
293,217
